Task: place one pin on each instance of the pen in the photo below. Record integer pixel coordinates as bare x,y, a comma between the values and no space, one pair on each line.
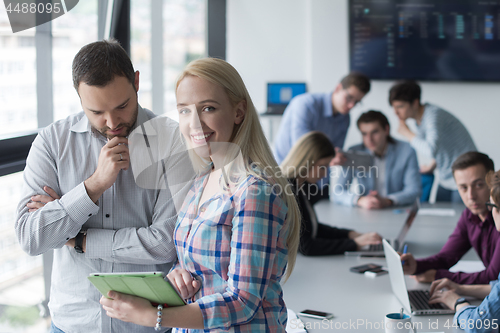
404,252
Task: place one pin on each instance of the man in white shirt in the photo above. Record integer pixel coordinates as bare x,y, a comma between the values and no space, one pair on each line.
81,196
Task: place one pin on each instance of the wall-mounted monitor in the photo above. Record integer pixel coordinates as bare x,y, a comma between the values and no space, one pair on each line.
451,40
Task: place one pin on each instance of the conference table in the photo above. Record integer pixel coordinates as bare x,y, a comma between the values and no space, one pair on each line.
359,303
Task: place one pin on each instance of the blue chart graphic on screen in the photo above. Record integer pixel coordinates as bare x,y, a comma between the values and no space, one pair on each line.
450,40
282,93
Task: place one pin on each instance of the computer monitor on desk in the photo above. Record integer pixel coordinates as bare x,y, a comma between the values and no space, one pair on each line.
279,94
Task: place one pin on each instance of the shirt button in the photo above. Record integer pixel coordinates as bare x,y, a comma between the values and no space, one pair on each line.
481,313
107,215
203,210
90,214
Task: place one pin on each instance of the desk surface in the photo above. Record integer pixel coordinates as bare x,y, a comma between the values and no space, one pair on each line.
360,303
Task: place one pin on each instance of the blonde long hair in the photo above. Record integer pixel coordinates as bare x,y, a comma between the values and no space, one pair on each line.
493,180
308,149
250,139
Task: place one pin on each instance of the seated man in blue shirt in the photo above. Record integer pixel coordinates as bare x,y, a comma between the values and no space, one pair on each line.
324,112
393,179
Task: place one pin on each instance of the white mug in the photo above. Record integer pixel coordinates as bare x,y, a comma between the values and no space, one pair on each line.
394,323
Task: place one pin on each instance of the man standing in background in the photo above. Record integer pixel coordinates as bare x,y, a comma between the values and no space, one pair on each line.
440,135
324,112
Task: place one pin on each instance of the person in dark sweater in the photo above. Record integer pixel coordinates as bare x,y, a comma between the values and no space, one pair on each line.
307,163
475,229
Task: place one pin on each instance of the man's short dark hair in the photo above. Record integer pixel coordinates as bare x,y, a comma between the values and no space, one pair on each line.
374,116
406,91
97,64
472,158
360,81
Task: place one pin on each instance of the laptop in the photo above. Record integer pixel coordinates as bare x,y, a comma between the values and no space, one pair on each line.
280,94
414,301
398,243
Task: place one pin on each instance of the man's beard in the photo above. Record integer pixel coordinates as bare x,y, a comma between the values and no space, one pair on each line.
127,126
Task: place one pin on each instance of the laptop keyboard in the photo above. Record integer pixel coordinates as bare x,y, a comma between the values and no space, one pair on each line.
376,247
419,300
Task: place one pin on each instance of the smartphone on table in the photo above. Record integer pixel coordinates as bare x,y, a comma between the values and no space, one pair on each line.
316,314
372,255
363,268
376,272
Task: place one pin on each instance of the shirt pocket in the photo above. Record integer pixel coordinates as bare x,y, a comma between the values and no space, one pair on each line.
210,242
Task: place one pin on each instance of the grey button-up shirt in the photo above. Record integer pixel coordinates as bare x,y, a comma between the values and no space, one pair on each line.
129,229
443,137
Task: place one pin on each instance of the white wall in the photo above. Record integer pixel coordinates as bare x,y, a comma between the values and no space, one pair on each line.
307,40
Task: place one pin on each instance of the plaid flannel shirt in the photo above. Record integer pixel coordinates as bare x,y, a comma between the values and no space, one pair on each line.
236,243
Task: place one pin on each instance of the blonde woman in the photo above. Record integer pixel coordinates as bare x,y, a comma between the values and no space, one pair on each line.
304,166
234,233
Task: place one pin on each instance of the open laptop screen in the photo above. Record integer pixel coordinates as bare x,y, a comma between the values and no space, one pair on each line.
406,227
396,275
280,94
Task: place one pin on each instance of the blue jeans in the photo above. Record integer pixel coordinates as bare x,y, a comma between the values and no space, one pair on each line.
427,179
54,329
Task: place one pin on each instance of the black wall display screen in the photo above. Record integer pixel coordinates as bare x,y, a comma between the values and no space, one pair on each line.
451,40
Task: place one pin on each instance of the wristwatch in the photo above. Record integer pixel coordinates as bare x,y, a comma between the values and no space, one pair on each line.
79,241
460,301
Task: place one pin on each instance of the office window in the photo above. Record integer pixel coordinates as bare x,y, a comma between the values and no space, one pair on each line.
70,32
140,48
18,98
184,40
21,278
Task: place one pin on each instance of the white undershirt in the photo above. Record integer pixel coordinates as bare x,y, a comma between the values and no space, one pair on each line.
379,163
